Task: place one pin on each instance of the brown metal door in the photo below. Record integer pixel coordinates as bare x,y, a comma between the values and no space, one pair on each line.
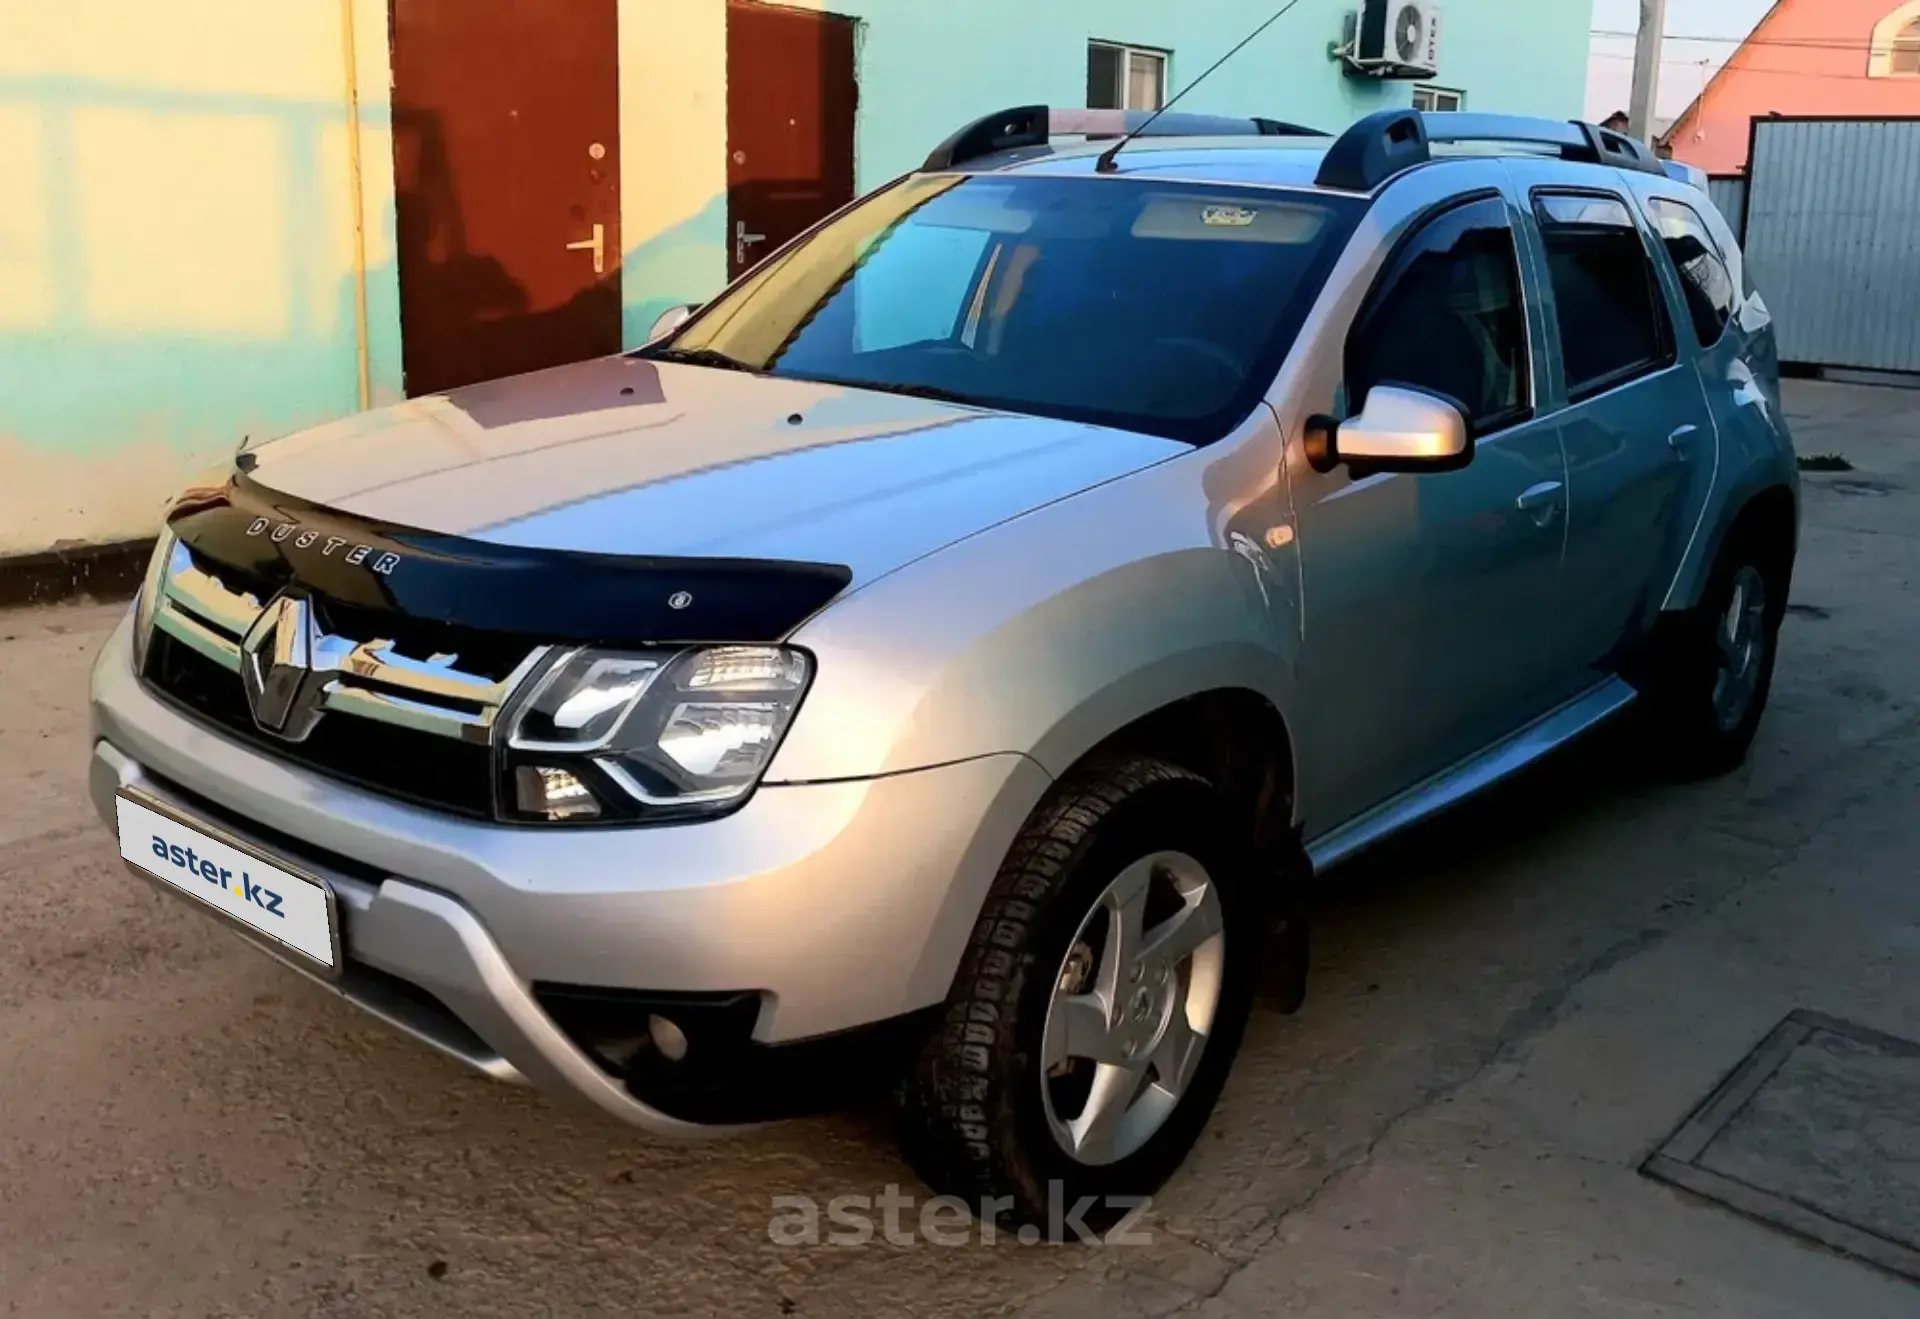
506,122
790,105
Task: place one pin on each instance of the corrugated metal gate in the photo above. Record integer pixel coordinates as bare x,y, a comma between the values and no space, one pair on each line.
1729,193
1833,239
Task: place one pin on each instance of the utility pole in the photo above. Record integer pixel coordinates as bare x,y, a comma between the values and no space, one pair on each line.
1646,70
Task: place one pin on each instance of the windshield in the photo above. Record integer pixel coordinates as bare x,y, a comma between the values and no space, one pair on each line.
1157,307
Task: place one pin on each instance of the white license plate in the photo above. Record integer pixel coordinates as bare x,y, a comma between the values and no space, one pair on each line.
291,909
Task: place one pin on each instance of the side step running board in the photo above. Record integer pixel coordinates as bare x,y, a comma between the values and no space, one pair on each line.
1549,732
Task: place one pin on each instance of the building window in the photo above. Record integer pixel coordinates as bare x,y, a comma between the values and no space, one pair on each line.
1125,77
1895,48
1438,98
1905,61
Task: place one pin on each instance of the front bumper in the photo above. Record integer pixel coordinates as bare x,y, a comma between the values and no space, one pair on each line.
836,905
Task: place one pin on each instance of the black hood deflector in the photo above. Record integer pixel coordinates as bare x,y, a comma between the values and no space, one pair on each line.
279,540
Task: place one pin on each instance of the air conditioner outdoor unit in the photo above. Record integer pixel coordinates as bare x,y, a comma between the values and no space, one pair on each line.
1394,39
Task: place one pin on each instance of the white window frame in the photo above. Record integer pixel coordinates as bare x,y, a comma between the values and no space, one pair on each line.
1435,98
1889,37
1127,52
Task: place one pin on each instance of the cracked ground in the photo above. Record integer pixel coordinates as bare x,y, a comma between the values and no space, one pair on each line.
1508,1011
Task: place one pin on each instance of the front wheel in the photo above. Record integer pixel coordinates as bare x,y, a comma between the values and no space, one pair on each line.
1099,1004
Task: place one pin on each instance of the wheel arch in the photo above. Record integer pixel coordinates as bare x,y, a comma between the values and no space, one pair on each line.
1770,516
1234,736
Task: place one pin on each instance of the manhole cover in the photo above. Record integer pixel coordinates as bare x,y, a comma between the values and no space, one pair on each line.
1817,1132
1860,486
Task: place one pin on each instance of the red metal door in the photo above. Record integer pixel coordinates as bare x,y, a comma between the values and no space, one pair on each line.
790,104
506,119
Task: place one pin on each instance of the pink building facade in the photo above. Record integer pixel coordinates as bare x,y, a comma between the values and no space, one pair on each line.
1851,58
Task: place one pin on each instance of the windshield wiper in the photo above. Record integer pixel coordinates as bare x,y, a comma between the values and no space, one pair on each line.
933,392
712,357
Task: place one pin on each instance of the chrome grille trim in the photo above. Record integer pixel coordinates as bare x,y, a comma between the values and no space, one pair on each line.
197,610
417,715
363,679
190,587
413,680
185,628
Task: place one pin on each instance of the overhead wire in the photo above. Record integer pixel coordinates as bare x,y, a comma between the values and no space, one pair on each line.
1796,43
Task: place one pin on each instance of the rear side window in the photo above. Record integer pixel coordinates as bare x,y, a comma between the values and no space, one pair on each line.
1703,272
1613,324
1448,318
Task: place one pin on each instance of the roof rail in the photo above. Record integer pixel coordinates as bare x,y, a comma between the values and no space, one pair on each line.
1281,128
1393,141
1036,125
1385,143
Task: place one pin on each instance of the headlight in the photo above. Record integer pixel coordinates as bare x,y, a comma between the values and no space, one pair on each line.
606,735
143,603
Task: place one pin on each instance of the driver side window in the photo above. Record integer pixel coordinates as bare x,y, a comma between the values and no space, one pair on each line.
1448,317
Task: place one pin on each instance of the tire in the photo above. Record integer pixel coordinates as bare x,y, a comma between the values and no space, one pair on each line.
981,1116
1710,685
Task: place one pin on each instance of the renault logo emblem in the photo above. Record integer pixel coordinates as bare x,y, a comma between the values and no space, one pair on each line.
277,669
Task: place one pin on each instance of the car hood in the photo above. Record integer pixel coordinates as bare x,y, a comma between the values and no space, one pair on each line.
627,456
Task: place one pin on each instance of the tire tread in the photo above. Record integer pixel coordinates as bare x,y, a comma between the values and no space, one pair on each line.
950,1126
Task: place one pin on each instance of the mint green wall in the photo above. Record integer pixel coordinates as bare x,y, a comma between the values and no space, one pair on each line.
176,246
926,67
923,73
71,382
175,219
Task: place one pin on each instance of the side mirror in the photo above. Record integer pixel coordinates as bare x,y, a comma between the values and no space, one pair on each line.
670,320
1399,430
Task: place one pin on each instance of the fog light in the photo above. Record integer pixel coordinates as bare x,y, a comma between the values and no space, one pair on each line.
554,794
619,1052
668,1038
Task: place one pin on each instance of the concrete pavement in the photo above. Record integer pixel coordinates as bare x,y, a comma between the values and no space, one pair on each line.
1508,1013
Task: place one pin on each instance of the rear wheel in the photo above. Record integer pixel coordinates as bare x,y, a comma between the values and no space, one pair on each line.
1099,1005
1716,673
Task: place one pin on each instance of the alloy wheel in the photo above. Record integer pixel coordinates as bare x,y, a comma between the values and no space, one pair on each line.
1740,637
1132,1007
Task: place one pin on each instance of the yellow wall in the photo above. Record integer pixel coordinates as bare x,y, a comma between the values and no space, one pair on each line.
177,257
176,236
673,167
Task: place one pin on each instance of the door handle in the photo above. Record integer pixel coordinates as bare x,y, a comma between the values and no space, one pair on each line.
743,240
1540,502
1682,440
597,245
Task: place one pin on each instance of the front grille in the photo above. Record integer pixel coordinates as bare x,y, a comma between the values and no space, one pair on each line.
398,762
400,706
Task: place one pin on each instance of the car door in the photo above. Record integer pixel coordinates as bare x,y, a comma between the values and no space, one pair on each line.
1428,598
1633,420
1736,356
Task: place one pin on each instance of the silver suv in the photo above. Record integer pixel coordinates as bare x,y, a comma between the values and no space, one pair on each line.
945,658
